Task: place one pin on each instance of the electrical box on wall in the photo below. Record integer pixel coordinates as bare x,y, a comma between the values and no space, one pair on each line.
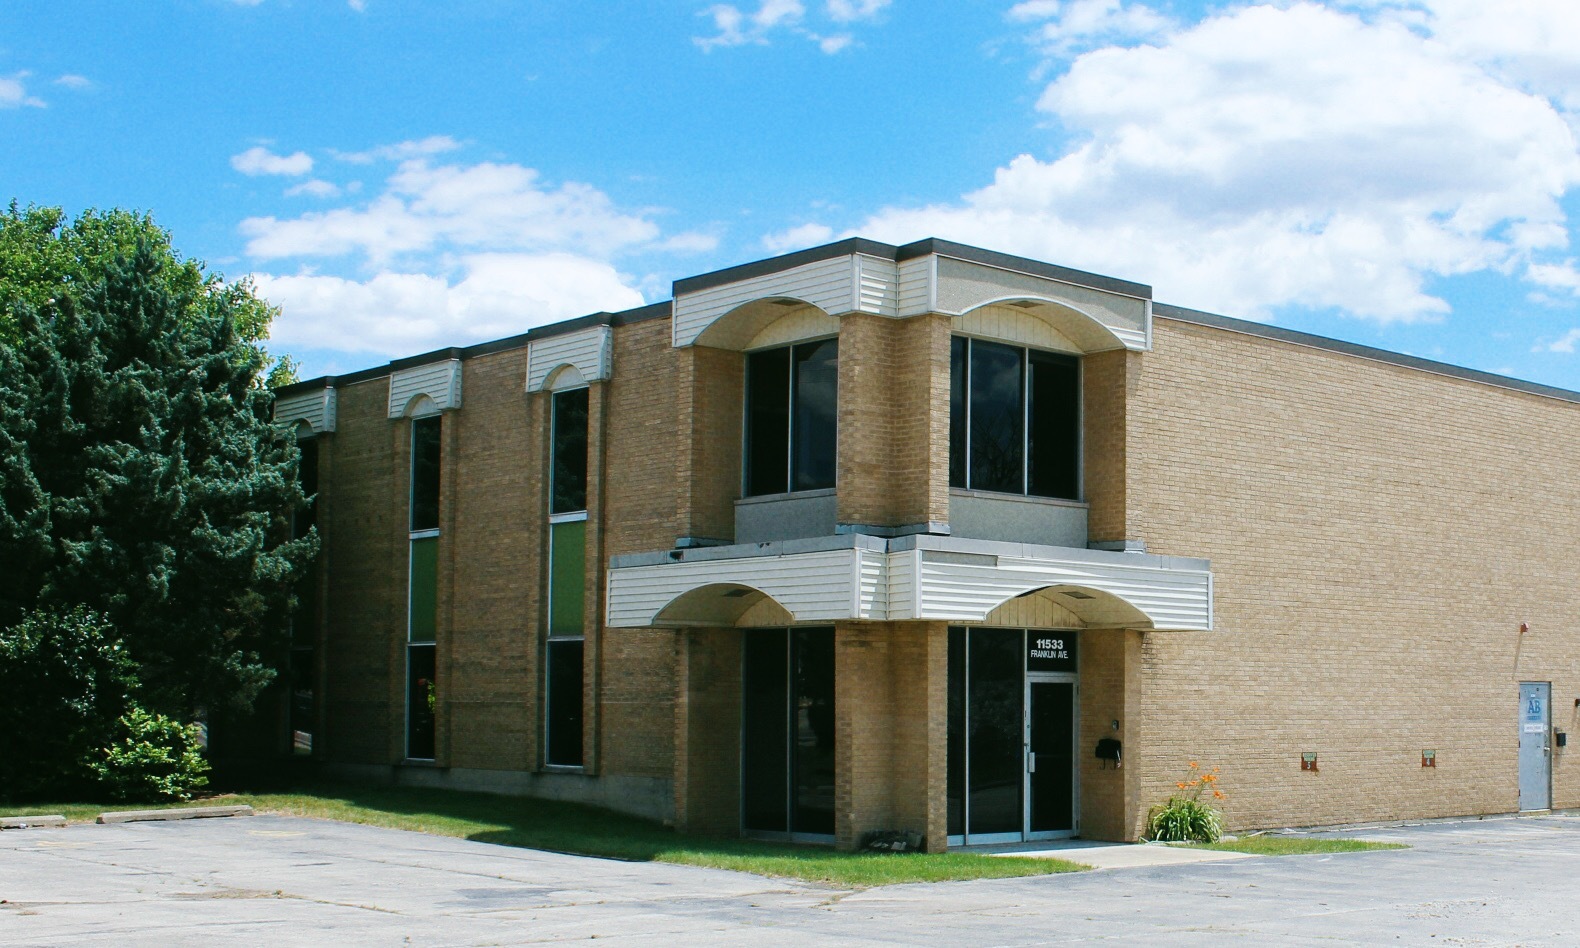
1308,761
1429,758
1561,738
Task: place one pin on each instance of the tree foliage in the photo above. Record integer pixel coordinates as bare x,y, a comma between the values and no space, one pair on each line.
44,258
139,472
64,683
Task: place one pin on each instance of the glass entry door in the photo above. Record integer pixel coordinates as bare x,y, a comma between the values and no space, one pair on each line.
1012,723
787,733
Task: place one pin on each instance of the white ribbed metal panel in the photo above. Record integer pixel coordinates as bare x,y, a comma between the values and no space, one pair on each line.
316,408
877,286
916,285
967,588
590,350
873,584
440,381
814,587
852,283
962,286
917,584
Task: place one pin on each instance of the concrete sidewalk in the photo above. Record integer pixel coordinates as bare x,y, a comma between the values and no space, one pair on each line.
1119,855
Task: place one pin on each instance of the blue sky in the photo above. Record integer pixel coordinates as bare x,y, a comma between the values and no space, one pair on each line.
400,176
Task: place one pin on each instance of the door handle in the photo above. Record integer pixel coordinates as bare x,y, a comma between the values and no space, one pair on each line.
1031,762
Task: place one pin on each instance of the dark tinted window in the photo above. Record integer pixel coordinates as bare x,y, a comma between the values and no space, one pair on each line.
569,489
768,422
565,702
816,418
307,476
1054,436
959,383
1014,420
425,474
420,701
998,405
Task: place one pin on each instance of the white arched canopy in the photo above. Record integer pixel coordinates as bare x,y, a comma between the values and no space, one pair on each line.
1043,323
723,604
768,321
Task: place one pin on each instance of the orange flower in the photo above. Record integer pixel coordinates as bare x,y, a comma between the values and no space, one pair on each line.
1217,794
1181,785
1193,765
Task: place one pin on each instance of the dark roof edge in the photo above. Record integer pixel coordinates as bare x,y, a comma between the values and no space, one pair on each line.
1309,340
622,318
1006,261
920,248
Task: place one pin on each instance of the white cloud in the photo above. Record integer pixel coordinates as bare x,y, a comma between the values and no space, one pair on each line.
315,187
1555,276
846,11
397,313
258,160
736,27
1082,24
426,208
1269,156
14,94
796,238
73,81
1564,344
402,151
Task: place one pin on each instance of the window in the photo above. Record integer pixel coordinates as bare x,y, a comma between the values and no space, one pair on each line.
425,473
1014,419
791,417
569,452
422,602
563,672
304,622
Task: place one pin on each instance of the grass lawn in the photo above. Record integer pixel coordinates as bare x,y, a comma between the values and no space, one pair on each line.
573,828
1296,845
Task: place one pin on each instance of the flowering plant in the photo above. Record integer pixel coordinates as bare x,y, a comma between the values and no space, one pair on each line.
1185,818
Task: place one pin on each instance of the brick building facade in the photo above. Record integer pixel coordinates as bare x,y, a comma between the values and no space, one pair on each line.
934,539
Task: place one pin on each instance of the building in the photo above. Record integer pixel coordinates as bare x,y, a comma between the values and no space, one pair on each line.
935,539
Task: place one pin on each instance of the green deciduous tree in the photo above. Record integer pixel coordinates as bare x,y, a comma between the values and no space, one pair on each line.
139,472
44,257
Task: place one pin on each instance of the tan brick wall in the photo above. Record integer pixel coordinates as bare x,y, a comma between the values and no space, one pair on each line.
710,389
1108,666
1377,534
1105,383
489,697
893,457
707,731
891,721
365,566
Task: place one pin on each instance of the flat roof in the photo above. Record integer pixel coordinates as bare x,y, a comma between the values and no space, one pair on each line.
922,248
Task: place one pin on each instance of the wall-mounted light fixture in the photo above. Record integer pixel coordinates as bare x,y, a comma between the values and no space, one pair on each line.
1429,758
1308,761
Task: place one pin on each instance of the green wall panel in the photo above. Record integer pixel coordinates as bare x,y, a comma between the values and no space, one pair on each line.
567,577
424,599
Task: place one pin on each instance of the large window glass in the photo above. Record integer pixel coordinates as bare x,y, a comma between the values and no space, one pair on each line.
792,417
422,590
425,473
1015,419
564,672
787,731
569,491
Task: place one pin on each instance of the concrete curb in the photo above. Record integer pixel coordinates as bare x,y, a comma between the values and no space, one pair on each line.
30,822
186,813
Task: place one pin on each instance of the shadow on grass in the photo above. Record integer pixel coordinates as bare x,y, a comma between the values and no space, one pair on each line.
589,831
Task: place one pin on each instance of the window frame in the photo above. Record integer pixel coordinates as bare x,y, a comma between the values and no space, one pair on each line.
1026,399
791,402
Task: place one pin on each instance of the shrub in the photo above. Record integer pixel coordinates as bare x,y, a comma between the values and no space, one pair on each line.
64,682
1185,818
156,758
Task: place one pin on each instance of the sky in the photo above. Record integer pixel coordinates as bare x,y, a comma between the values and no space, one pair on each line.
398,176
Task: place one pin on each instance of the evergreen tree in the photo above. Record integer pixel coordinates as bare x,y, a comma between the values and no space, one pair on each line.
140,475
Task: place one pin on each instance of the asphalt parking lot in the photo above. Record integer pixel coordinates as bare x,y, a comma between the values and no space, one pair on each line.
284,881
